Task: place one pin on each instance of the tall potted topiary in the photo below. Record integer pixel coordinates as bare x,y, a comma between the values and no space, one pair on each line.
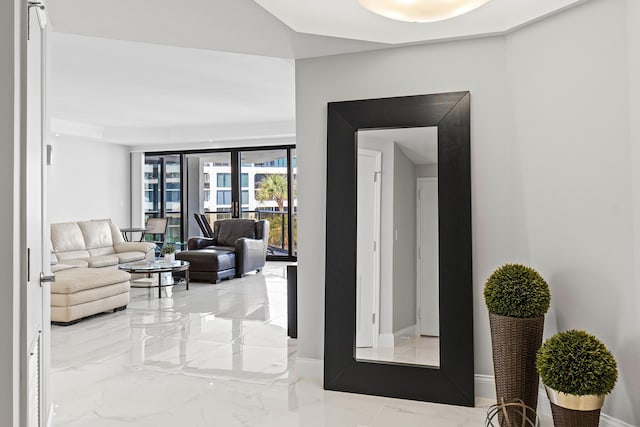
578,371
517,298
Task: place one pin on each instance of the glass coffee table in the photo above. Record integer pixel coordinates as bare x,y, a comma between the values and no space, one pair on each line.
156,266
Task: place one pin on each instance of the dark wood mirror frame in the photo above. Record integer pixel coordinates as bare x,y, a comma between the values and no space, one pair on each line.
452,382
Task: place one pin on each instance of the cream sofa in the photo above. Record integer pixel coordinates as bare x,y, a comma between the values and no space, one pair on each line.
85,256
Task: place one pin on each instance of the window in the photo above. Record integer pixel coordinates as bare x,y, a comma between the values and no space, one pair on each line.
223,197
245,197
224,179
277,163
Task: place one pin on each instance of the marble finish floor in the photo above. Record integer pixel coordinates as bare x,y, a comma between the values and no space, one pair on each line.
216,355
411,350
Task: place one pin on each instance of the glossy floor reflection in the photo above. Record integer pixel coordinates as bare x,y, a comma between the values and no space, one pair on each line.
216,355
413,351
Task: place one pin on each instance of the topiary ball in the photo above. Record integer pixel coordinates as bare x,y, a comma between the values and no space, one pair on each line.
516,290
575,362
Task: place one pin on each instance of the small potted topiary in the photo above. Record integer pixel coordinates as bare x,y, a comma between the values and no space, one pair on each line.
168,251
517,298
578,371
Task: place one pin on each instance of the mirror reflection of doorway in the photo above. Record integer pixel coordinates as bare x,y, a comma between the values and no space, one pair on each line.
397,286
368,264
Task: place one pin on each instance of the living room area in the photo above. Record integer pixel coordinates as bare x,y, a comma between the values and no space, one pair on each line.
291,120
141,131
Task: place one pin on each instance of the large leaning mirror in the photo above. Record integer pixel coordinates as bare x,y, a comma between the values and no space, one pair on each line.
398,292
397,309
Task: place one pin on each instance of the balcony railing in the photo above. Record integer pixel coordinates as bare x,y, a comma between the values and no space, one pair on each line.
278,225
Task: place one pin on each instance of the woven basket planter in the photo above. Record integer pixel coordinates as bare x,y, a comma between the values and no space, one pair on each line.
574,411
563,417
514,342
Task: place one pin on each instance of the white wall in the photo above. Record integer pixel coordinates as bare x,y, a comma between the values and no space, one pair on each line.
404,246
476,65
571,117
551,175
630,357
89,180
9,212
427,171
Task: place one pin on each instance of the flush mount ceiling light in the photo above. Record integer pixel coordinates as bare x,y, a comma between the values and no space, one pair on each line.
421,10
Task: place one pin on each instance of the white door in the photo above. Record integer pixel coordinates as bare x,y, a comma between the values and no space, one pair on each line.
36,303
368,231
427,241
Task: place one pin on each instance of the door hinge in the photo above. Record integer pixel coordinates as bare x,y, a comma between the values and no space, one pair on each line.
42,18
374,246
373,318
419,254
28,265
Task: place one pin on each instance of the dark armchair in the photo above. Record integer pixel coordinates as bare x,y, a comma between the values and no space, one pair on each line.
246,238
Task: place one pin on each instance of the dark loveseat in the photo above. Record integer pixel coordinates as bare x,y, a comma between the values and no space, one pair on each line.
237,247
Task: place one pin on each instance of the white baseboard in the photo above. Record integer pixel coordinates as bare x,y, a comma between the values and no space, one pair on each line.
386,340
392,339
309,368
50,416
607,421
402,334
485,388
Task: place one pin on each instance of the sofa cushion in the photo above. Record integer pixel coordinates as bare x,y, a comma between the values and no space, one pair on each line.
60,267
67,236
102,251
78,279
143,247
103,261
75,263
116,234
88,295
65,257
231,230
130,256
208,259
97,234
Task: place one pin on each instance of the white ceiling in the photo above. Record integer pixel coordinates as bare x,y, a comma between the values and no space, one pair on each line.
240,26
419,144
346,18
283,28
120,91
168,72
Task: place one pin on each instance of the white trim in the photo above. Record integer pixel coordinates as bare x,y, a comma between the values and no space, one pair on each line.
170,136
485,388
608,421
309,368
50,417
408,332
377,156
386,340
